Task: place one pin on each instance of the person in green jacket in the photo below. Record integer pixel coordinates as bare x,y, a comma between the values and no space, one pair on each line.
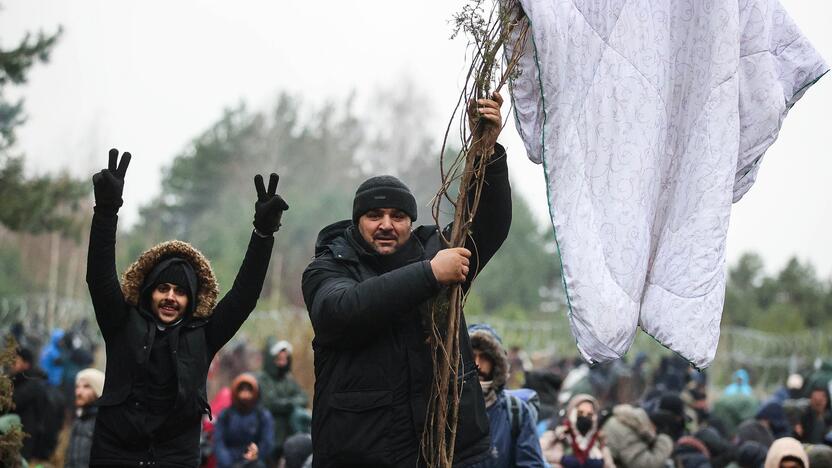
281,394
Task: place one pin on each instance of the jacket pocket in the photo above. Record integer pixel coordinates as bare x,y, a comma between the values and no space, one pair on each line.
358,424
203,407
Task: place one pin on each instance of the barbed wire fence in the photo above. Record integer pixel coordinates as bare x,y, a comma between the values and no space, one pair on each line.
769,357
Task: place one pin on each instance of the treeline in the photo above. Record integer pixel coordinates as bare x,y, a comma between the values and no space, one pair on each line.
793,299
42,219
322,154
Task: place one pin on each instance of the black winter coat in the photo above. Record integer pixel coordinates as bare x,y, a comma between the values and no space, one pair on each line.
125,431
372,362
29,397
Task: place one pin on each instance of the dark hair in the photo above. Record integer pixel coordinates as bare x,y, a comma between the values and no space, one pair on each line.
25,354
793,458
818,387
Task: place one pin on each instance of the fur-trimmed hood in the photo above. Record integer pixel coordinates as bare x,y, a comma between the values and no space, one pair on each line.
572,409
208,289
485,339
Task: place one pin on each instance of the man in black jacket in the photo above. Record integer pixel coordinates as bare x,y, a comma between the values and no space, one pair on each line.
29,395
162,327
366,292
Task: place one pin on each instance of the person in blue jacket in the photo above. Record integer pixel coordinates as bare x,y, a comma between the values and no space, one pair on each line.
514,440
52,358
244,431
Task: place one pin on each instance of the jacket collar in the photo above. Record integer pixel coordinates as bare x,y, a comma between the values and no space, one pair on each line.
333,238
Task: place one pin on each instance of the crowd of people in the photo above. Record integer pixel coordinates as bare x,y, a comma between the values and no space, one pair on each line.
616,415
165,330
562,414
258,418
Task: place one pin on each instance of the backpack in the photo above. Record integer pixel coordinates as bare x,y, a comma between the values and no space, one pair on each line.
514,400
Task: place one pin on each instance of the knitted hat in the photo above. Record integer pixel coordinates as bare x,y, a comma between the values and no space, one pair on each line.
794,382
173,270
95,379
175,274
281,345
383,192
296,450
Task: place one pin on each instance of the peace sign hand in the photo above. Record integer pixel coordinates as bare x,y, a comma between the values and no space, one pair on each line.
108,184
269,207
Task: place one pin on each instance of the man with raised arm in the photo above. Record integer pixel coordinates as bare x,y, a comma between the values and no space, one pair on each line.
367,292
162,326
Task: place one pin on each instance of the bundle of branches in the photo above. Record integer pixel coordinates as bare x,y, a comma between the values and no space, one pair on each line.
490,25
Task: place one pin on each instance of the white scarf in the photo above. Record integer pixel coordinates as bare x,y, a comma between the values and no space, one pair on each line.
488,392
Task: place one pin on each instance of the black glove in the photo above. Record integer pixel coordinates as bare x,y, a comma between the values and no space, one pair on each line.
109,184
269,207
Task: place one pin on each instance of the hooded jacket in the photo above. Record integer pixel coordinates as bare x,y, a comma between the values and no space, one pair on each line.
372,361
566,447
486,340
691,452
237,427
505,450
51,358
739,384
633,441
280,394
785,447
125,431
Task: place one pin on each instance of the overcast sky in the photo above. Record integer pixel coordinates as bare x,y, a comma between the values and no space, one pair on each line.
149,76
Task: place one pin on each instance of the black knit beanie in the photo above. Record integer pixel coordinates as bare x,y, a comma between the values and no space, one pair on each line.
383,192
175,274
176,271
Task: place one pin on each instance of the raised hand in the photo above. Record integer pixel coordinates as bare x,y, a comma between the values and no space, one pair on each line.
269,207
485,120
108,184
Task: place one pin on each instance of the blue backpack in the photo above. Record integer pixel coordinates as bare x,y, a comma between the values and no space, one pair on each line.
515,399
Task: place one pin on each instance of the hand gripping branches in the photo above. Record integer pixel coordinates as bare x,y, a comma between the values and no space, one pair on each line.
487,73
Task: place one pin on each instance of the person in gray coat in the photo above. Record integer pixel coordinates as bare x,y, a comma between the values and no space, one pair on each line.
89,383
632,439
